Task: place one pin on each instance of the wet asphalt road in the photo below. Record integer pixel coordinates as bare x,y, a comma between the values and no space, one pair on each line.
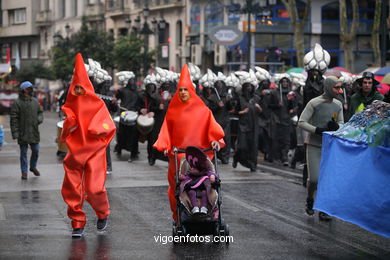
265,212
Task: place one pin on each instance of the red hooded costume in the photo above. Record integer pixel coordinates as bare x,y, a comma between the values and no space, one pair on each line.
87,130
187,123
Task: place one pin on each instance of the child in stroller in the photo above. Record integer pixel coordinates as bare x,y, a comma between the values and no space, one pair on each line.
198,195
197,180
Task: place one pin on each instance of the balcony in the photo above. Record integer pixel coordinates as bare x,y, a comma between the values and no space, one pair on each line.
164,4
44,18
94,10
115,8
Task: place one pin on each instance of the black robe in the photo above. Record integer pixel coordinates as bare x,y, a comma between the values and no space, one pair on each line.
127,136
248,127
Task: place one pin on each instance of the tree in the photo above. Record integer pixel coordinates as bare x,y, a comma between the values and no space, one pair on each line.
348,39
36,70
298,24
375,33
128,54
91,43
62,60
95,44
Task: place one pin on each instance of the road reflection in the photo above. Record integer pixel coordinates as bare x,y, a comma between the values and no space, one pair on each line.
79,249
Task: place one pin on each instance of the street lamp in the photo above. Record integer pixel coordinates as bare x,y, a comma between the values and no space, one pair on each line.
67,30
59,39
251,8
146,31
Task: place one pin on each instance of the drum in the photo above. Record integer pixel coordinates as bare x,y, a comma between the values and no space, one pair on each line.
128,118
145,124
116,120
61,146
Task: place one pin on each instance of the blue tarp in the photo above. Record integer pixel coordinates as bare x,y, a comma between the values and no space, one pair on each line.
354,183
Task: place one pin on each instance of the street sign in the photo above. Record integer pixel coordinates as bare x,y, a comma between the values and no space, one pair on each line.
225,35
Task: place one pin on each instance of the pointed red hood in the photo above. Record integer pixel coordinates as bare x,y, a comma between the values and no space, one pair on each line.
87,114
189,123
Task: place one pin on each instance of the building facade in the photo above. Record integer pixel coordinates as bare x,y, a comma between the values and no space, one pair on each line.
32,26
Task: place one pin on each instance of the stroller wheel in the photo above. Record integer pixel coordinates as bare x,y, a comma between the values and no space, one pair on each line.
216,231
181,231
174,231
225,232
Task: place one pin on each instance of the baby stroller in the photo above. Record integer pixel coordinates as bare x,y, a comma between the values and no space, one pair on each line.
211,223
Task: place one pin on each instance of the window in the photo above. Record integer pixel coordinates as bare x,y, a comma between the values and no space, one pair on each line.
24,52
61,9
74,9
17,16
34,49
44,5
283,41
195,18
330,42
213,15
263,41
14,49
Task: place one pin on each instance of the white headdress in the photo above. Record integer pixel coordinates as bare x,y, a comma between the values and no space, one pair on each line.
151,79
124,76
163,75
208,79
194,71
233,81
279,76
247,77
96,72
317,59
298,79
262,74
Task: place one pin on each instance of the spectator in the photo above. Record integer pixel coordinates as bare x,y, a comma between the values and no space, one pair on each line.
366,94
26,115
237,57
273,55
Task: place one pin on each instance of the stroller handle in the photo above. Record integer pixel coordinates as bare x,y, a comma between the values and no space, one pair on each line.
179,150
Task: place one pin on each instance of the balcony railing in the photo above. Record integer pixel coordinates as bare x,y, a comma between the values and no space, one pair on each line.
115,5
94,10
44,18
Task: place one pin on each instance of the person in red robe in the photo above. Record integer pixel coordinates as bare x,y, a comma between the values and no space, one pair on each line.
188,122
88,129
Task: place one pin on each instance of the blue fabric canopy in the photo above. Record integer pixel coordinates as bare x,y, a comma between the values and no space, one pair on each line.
354,183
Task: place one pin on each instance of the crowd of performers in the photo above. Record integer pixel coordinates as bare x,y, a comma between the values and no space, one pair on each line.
258,112
256,115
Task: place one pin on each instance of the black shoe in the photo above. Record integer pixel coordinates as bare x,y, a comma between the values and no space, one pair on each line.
234,164
253,169
78,232
285,163
133,158
224,161
24,175
324,217
101,224
152,161
309,207
35,171
293,165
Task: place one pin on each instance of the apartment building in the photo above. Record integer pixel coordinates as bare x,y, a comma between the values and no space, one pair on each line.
179,29
32,26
